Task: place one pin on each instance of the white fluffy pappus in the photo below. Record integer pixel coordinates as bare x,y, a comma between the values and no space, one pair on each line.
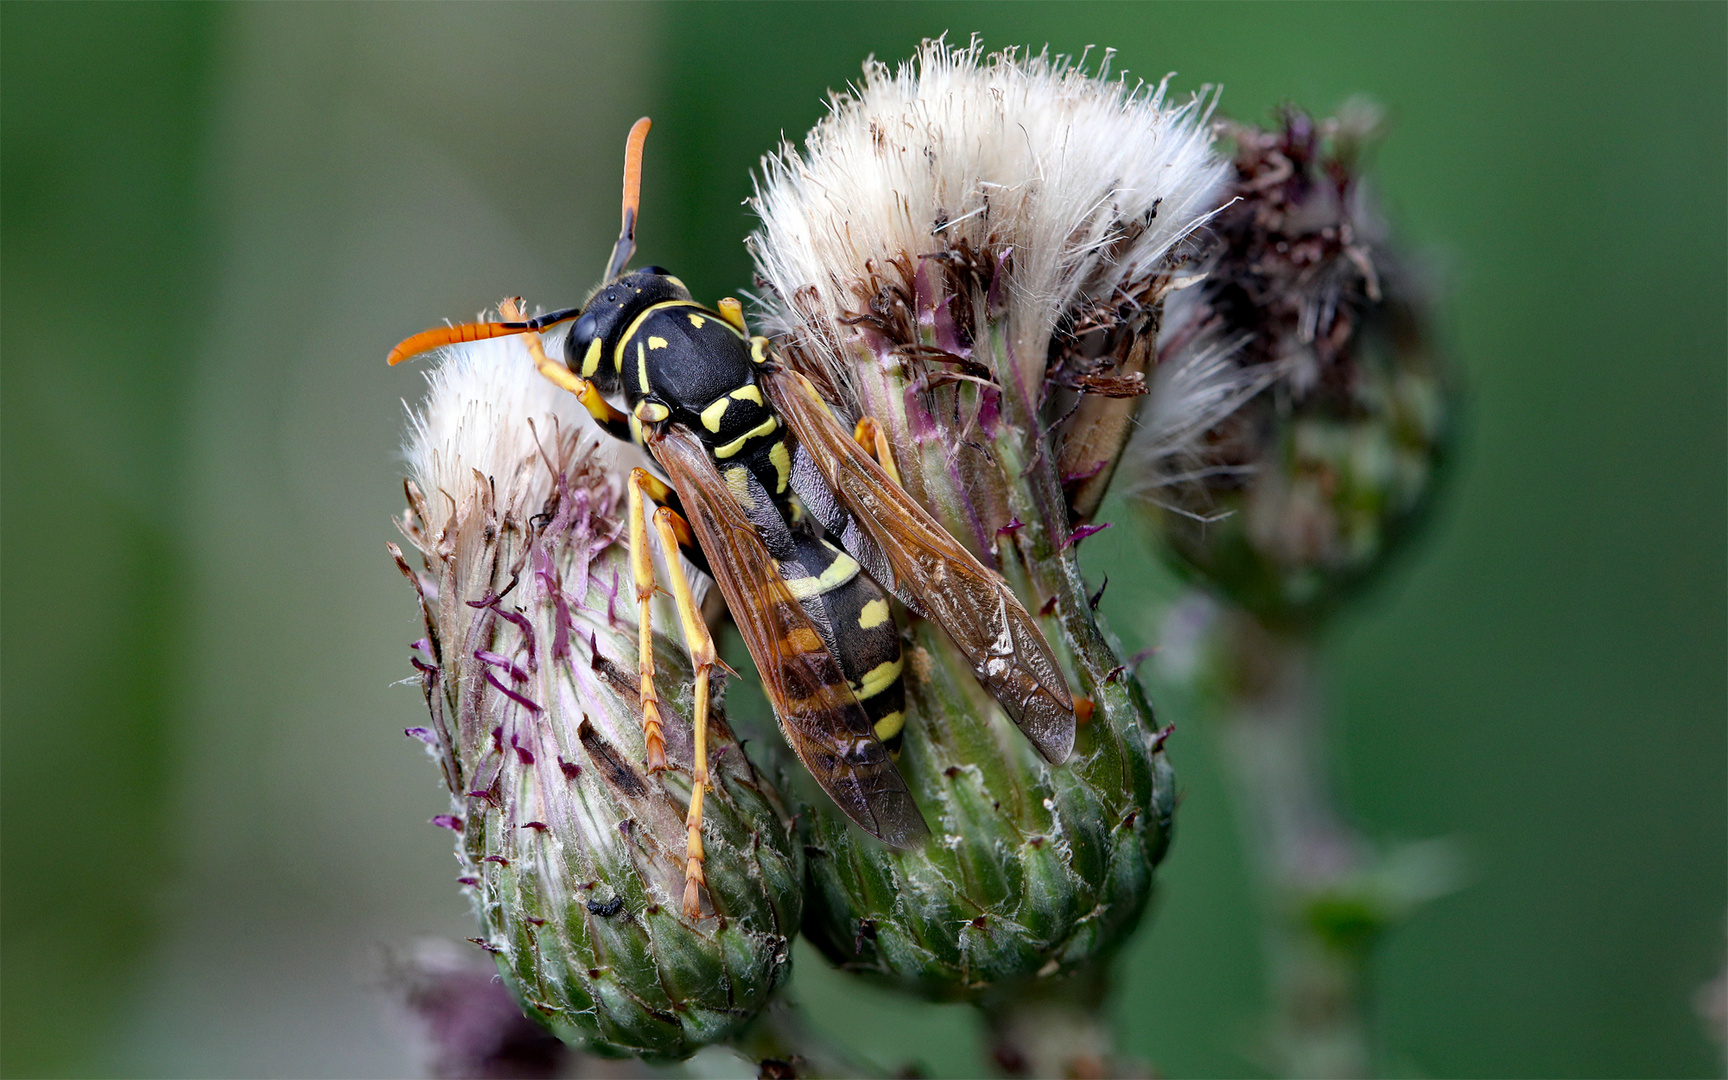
1079,182
1200,380
488,411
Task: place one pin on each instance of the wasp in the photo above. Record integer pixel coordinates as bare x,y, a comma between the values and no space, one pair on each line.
800,520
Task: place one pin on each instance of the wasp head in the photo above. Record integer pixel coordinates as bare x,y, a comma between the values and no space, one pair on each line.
591,347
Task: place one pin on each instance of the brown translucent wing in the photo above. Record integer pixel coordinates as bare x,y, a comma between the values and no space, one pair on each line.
818,711
975,606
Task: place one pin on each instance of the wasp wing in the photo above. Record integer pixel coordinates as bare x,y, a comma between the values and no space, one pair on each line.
975,606
818,712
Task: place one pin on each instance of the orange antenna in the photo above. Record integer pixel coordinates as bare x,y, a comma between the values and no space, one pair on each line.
460,333
626,245
439,336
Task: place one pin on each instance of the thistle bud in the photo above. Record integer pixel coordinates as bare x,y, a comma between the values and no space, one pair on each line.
571,850
1302,412
974,250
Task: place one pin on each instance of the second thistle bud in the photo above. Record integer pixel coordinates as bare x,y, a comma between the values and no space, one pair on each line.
571,849
1313,324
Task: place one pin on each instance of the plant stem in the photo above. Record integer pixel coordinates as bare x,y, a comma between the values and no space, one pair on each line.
781,1035
1307,860
1057,1029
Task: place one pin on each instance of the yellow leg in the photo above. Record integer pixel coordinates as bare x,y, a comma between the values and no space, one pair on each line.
642,568
733,312
590,397
702,658
871,437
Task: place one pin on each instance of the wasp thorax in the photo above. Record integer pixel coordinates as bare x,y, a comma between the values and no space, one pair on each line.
572,849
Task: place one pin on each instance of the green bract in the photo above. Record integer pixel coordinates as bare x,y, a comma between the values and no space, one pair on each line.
1031,870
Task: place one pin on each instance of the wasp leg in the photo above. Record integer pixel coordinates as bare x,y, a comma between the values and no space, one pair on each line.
871,437
702,657
616,423
733,312
642,568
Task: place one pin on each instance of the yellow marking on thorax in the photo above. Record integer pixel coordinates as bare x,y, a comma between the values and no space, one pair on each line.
839,572
875,613
766,427
651,412
878,679
591,359
748,393
715,413
697,321
759,349
636,428
656,343
642,367
890,725
635,325
782,461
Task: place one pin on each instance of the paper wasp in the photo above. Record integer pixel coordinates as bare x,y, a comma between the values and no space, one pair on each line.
763,479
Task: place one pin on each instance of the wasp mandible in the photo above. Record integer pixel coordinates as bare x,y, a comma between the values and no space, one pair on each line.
800,520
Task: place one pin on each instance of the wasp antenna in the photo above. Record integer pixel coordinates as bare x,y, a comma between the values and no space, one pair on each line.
626,245
439,336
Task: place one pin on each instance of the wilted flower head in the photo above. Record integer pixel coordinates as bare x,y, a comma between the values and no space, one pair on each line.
974,250
1309,316
572,851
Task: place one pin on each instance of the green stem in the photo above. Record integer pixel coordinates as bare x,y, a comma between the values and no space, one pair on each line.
782,1042
1305,857
1056,1028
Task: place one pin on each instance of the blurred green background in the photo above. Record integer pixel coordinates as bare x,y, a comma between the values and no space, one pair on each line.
216,220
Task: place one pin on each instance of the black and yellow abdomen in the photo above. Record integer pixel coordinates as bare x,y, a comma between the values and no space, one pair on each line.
853,614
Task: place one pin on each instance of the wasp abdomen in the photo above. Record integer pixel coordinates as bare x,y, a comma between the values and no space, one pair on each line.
854,617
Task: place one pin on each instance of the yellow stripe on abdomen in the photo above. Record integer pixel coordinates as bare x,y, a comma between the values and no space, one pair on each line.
782,461
890,725
766,427
878,679
843,569
875,613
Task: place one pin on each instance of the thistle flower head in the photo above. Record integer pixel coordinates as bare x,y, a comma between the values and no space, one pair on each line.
1302,411
572,851
990,234
1070,186
974,250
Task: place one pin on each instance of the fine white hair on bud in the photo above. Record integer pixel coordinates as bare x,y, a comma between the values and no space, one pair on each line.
1075,184
485,410
1200,380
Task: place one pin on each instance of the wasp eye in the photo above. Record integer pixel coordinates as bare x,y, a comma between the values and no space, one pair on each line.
581,340
583,332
